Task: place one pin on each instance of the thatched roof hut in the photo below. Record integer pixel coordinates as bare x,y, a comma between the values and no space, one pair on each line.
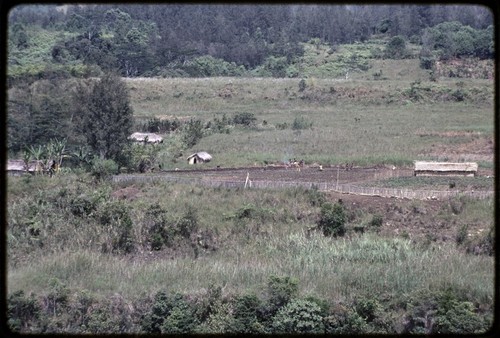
199,157
146,137
17,167
423,168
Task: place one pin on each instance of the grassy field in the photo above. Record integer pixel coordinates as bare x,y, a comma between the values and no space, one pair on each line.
67,228
361,121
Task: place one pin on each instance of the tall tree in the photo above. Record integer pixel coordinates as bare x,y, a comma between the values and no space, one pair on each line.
106,119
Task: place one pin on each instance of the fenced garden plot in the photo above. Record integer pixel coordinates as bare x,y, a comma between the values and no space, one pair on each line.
332,185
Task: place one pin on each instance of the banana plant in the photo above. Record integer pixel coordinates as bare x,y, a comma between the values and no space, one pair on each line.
26,159
82,155
38,154
58,148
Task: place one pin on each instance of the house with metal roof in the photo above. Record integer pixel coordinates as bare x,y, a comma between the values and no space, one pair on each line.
423,168
146,137
199,157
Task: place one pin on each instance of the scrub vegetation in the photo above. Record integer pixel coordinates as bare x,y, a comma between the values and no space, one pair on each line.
89,255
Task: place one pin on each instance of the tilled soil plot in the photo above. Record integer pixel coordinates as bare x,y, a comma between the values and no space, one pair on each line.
291,174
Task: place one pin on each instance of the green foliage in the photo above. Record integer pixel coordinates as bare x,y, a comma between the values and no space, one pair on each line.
170,313
181,319
332,219
106,116
344,320
104,169
275,67
315,197
299,317
163,126
156,227
244,119
444,312
141,157
188,224
302,85
452,39
23,312
459,318
192,132
300,123
396,48
115,222
209,66
462,234
368,308
246,312
280,291
377,220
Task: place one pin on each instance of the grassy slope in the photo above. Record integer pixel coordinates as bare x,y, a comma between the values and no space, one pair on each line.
386,132
275,241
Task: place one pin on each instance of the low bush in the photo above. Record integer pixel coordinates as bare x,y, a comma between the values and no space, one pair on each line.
280,291
299,317
377,220
344,320
300,123
23,312
104,169
116,225
244,119
332,219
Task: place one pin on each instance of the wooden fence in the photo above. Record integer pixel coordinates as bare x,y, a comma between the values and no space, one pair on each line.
323,186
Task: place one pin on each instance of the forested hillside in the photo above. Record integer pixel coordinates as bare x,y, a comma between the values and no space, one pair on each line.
227,40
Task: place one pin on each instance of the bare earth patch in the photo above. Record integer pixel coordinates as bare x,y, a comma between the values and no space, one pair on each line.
128,193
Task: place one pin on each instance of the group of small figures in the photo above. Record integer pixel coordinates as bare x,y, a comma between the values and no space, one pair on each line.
294,163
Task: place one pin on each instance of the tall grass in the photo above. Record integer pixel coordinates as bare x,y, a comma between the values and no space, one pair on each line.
352,120
326,267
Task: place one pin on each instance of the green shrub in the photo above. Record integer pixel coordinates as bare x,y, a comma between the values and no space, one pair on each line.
396,48
299,316
315,197
156,227
192,132
282,126
244,119
163,305
246,314
460,318
104,169
220,320
115,220
110,316
300,123
344,320
302,85
462,234
332,219
188,224
180,319
23,312
483,244
369,309
281,290
455,316
377,220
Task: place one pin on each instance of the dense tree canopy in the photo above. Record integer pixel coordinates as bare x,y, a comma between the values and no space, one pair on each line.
106,116
207,40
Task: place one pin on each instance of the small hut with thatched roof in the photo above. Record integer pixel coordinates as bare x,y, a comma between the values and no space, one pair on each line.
18,167
146,137
199,157
445,169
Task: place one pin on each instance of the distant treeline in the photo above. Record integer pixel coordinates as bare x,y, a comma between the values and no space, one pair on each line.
229,40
